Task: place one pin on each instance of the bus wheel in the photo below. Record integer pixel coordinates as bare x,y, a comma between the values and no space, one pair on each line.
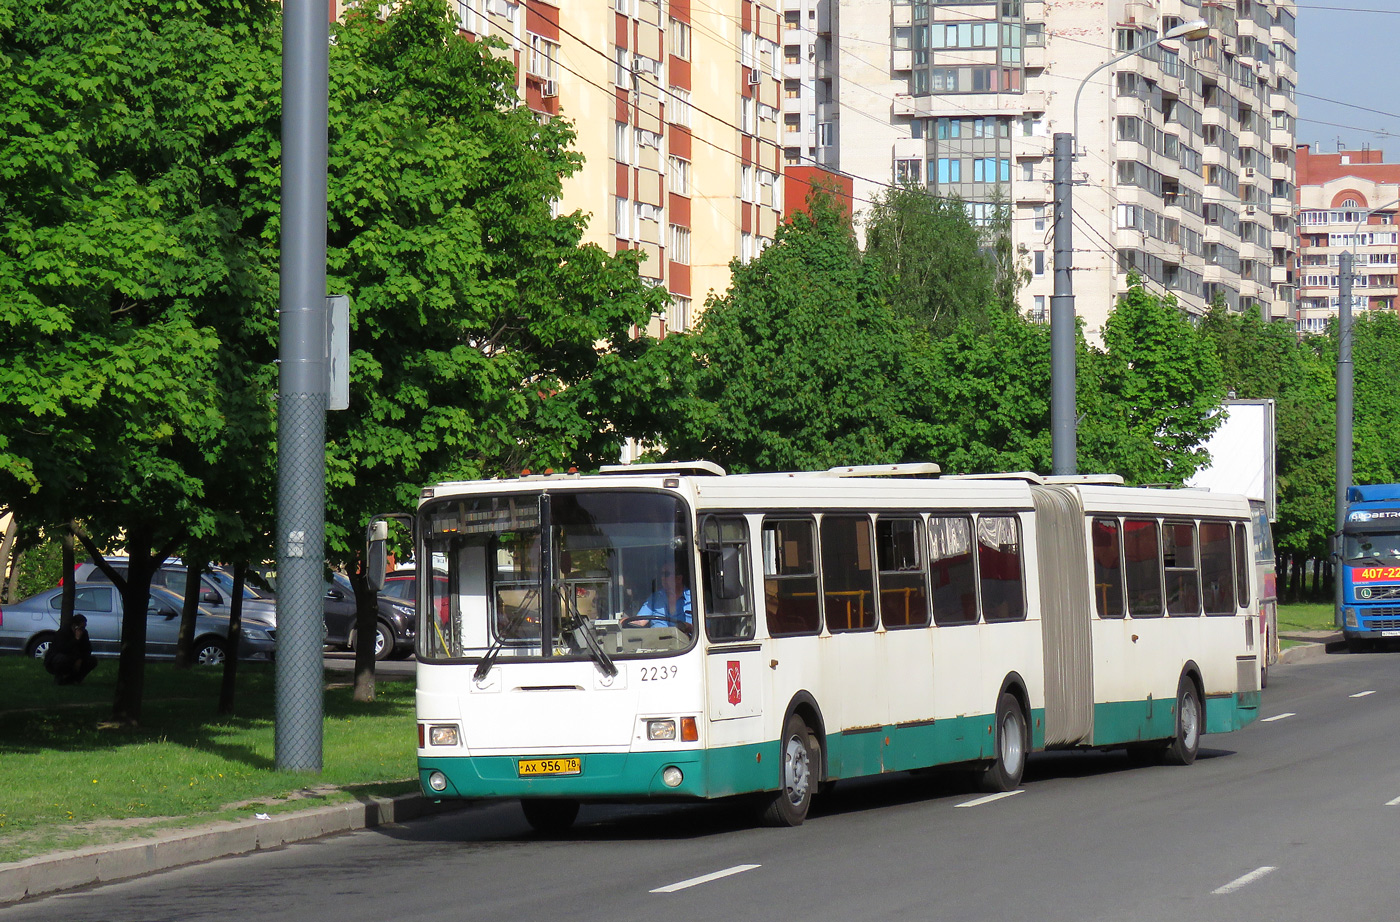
799,758
1004,774
549,817
1189,718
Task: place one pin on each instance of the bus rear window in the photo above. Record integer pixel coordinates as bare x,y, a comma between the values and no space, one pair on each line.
790,577
1108,568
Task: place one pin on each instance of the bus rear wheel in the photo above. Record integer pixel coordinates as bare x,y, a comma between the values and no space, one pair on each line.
549,817
1190,717
799,758
1009,763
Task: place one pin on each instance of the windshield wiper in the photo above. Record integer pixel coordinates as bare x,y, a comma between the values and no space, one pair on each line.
483,668
583,627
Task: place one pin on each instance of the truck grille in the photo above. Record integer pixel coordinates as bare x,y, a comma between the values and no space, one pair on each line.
1377,593
1381,619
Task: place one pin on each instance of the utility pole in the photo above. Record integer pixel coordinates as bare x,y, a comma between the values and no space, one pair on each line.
1063,438
302,387
1345,385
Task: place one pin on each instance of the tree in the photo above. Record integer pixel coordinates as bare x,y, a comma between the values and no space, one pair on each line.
485,336
941,270
800,365
122,253
1153,390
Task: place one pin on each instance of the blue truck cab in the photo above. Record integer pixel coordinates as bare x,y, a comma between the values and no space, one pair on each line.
1370,565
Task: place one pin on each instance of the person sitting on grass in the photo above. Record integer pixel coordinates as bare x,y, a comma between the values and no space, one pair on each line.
69,658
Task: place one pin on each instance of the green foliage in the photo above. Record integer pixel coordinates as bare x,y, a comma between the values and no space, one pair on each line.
800,365
477,317
1150,395
40,566
939,272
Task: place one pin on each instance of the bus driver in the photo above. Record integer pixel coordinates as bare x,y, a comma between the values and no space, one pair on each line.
669,605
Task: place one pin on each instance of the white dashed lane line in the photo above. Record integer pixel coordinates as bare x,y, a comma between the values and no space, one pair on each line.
1278,717
1363,694
1245,881
706,878
1393,803
979,801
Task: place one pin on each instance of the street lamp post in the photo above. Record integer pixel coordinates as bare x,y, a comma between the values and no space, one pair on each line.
1063,422
1346,394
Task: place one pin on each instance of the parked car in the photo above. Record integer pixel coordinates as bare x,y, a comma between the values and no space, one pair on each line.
29,626
395,620
403,584
215,592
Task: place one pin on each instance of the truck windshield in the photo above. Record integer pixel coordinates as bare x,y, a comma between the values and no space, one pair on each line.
585,575
1374,549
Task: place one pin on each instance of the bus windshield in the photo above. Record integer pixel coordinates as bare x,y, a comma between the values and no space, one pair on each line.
587,575
1373,549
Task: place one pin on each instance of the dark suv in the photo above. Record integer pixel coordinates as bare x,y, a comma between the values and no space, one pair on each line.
395,621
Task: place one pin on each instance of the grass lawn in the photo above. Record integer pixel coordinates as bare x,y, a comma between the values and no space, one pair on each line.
1306,616
71,780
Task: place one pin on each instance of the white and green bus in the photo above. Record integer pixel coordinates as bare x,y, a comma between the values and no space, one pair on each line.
661,632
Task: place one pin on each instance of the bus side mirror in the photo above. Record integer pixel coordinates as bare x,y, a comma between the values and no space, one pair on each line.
1334,545
729,578
377,553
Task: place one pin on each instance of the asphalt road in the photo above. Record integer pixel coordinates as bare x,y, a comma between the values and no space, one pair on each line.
1293,818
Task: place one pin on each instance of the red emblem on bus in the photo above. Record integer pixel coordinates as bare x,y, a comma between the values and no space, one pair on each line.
736,693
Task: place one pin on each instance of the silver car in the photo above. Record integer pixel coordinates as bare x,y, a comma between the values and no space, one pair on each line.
29,626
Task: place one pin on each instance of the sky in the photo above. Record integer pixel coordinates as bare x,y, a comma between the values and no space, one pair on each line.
1346,54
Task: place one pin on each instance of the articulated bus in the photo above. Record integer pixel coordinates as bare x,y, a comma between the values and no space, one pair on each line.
821,626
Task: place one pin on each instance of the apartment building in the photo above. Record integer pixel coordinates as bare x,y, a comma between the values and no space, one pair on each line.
1185,170
1347,202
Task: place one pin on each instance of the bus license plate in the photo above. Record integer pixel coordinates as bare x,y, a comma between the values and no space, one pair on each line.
571,766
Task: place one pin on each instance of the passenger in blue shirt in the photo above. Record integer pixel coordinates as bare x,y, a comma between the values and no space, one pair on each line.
668,605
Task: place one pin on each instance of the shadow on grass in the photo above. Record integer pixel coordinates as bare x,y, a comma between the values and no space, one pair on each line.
179,707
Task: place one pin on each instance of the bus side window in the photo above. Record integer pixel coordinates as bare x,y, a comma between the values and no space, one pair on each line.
1108,568
1217,574
1244,561
999,566
903,583
790,577
725,576
1144,568
1179,558
848,573
952,568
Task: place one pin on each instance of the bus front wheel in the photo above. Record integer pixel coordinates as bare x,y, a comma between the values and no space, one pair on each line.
1190,717
549,817
1009,763
799,759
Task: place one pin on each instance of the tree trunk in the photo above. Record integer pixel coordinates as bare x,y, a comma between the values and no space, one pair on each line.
366,623
194,585
70,585
7,545
235,629
1281,576
1317,579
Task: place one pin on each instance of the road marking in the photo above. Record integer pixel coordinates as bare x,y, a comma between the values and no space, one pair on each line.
1393,803
1278,717
1244,881
1363,694
706,878
979,801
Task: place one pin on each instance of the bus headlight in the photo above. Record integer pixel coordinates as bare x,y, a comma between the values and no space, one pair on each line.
443,735
437,781
1349,617
661,729
671,776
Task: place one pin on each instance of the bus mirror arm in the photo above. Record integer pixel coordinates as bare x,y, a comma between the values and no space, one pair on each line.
730,573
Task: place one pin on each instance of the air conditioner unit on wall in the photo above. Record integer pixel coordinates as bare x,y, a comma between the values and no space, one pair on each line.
755,77
550,88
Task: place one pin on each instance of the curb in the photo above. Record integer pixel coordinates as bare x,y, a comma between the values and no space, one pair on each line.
101,864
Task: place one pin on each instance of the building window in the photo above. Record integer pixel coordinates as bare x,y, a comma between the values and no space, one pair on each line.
678,175
543,54
678,108
678,38
680,244
678,314
908,171
1039,262
949,170
622,226
1038,217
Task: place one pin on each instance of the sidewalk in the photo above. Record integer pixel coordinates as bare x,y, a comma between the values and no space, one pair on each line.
1311,644
101,864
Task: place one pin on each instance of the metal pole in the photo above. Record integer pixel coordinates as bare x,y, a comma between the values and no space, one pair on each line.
1345,381
1062,411
302,386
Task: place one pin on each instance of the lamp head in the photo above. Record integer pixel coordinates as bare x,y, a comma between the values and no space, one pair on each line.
1191,31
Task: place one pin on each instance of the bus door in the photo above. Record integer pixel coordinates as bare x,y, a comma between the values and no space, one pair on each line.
733,657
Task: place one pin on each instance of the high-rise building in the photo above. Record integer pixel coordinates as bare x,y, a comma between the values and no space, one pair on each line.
1185,166
1347,202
